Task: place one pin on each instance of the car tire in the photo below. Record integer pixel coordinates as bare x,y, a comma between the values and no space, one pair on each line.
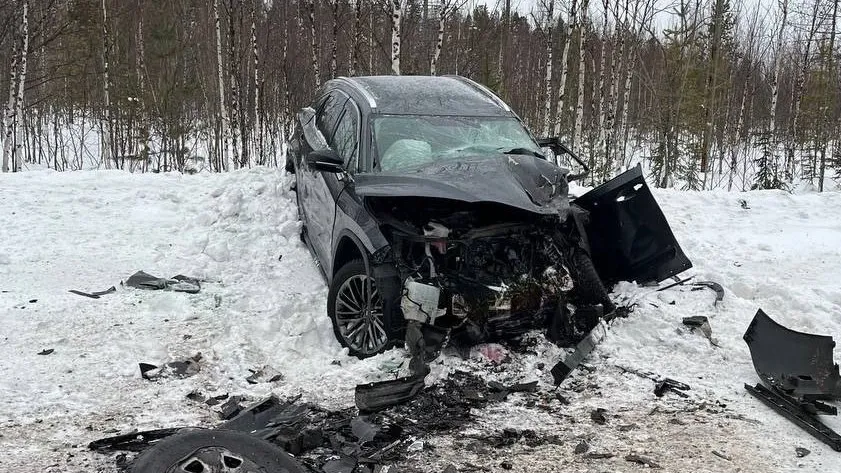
364,331
589,288
214,450
289,165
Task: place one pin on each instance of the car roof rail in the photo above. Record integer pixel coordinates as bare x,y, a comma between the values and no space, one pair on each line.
360,87
484,90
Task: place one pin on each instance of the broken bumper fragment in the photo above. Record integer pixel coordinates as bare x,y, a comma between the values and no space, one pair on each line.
797,372
799,364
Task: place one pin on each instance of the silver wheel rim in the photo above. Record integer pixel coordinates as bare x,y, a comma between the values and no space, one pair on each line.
362,327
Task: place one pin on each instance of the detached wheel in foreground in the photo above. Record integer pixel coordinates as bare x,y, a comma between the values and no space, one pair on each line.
357,325
211,451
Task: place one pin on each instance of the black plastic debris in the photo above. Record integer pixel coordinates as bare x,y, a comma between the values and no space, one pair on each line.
48,351
376,396
586,346
597,416
500,392
94,295
131,442
173,369
178,283
230,408
799,364
801,452
796,412
716,287
668,384
797,373
266,374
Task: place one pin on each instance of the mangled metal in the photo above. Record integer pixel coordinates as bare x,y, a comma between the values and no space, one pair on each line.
797,373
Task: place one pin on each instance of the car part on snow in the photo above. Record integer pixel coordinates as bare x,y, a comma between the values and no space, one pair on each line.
179,283
199,451
377,396
801,413
668,384
630,239
93,295
268,418
132,442
701,323
798,364
177,369
586,346
719,291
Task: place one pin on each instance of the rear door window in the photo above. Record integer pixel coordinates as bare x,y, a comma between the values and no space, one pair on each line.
329,114
345,140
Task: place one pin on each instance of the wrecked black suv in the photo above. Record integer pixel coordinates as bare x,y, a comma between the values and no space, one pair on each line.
431,209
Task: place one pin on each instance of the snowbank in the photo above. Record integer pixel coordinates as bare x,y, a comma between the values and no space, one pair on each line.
263,300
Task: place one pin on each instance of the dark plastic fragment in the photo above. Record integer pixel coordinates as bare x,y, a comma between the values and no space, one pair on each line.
133,442
373,397
799,364
790,409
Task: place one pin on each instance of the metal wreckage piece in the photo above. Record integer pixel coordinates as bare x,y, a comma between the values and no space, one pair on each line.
797,373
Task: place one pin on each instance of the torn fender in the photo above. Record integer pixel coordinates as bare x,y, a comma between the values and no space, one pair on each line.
799,364
630,238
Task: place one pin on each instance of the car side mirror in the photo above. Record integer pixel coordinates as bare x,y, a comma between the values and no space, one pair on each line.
325,160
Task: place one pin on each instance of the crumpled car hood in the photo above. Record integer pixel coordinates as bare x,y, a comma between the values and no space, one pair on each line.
519,181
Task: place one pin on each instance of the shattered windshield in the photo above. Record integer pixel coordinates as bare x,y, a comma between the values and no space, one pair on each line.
409,141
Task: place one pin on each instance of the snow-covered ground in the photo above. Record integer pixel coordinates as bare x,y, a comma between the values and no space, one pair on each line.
263,305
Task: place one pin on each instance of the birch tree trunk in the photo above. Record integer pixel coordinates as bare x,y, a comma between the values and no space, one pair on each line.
258,122
439,43
778,56
579,105
223,106
397,7
829,110
315,49
559,110
547,105
712,84
107,126
14,107
233,66
603,104
616,65
141,79
334,49
800,87
357,36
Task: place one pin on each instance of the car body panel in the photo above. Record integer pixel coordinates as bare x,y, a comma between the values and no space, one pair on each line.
524,182
629,237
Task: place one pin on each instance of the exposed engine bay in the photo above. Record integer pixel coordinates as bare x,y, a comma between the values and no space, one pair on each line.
487,271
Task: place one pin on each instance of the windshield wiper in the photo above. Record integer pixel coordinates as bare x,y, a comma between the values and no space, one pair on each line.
523,151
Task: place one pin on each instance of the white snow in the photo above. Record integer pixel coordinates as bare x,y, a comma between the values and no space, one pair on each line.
263,304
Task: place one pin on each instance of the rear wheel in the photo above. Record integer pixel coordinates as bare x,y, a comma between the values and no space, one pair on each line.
359,321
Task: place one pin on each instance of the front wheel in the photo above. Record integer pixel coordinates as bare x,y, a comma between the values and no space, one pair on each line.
358,320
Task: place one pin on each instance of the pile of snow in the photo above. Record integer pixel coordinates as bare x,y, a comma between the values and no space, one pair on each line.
263,302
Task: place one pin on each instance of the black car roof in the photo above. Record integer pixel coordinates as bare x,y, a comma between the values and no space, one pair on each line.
427,95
